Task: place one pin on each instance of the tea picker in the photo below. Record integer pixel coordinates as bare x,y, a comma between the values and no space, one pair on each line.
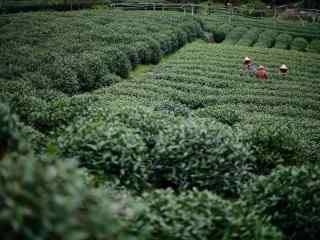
248,66
261,73
283,70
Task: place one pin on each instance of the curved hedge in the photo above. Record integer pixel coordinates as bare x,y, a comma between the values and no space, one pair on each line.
202,215
283,41
42,199
299,44
141,148
290,197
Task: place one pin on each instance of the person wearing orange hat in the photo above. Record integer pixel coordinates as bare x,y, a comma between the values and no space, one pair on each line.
283,70
248,66
261,73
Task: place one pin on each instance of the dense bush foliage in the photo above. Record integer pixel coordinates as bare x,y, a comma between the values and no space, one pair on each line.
283,41
234,36
111,44
307,30
44,197
266,39
202,215
141,148
299,44
273,145
220,33
314,46
8,130
290,197
250,37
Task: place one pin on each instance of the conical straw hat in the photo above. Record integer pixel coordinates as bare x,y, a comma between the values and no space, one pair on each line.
261,67
283,67
247,59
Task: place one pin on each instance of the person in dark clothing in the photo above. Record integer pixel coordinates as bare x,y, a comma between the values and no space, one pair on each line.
249,67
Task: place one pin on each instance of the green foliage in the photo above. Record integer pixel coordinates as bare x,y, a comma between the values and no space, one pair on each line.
8,130
283,41
266,39
220,33
250,37
138,148
290,197
41,199
299,44
314,46
82,61
234,36
200,154
272,145
202,215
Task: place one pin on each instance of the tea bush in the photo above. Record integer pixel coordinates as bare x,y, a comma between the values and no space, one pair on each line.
299,44
283,41
266,39
141,148
86,60
272,145
250,37
202,215
69,209
9,134
43,196
234,36
314,46
290,197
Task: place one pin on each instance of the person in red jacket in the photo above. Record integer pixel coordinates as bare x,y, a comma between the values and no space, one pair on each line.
261,73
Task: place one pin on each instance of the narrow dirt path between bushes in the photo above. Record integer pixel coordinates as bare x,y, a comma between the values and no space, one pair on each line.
142,69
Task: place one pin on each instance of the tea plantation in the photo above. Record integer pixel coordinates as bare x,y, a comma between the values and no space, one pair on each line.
128,125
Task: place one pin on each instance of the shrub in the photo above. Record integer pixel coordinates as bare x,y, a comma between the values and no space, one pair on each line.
221,32
234,36
63,73
155,52
117,61
266,39
201,154
272,145
45,199
299,44
250,37
227,116
90,70
290,197
219,36
201,215
132,54
314,46
175,108
141,148
116,150
283,41
8,130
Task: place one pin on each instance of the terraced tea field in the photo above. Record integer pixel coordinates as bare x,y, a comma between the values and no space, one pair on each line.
120,125
206,79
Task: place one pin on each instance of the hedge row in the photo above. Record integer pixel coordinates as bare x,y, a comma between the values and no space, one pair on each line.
299,44
69,209
111,44
234,36
266,39
249,38
202,215
283,41
140,148
290,198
